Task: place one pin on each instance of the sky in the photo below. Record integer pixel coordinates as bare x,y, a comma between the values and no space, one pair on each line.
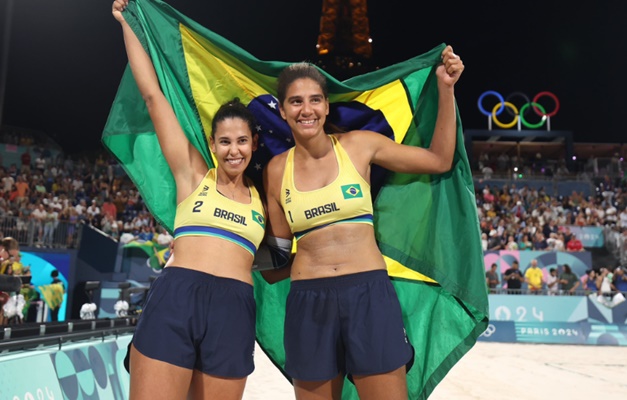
66,58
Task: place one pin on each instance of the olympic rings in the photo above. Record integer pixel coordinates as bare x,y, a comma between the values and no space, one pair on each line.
499,123
552,96
508,105
490,330
530,125
516,94
493,93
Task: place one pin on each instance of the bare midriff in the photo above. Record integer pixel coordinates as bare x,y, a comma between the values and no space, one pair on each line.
337,250
213,256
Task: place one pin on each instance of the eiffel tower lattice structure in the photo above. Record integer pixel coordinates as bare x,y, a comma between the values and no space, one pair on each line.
344,44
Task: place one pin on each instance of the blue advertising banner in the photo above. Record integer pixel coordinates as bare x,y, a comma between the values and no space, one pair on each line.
85,370
17,383
499,331
551,332
556,319
590,236
529,308
555,333
607,335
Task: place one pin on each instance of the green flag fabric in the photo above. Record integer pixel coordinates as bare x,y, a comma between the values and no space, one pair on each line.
426,225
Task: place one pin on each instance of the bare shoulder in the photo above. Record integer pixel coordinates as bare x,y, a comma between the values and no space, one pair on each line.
360,138
277,164
273,174
352,136
362,145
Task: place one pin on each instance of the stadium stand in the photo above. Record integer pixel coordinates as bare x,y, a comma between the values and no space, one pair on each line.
527,195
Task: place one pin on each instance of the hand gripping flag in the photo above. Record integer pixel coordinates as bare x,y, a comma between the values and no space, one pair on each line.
426,225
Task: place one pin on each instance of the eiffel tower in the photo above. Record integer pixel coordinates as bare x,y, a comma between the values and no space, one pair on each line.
344,43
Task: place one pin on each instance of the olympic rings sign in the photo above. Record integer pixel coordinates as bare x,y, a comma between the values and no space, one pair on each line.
490,330
506,104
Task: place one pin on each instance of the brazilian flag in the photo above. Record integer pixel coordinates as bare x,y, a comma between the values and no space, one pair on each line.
52,294
157,254
426,225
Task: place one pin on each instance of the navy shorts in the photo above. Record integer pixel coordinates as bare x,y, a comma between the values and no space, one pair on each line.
350,324
199,321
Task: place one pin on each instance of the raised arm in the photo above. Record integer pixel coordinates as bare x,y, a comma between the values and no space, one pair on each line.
442,149
438,158
185,161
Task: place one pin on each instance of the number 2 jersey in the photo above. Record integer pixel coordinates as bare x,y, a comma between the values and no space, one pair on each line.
206,212
345,200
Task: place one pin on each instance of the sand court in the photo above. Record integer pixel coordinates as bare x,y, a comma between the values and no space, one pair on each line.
500,371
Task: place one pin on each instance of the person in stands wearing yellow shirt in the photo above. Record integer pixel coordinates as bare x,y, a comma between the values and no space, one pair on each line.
9,250
534,277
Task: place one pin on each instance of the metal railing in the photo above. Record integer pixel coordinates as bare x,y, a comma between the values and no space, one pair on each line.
514,176
546,292
53,234
26,336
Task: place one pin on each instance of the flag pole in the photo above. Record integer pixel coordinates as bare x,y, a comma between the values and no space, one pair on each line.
5,56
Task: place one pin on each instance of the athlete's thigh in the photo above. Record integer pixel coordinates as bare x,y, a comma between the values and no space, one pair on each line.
390,385
319,390
206,387
154,379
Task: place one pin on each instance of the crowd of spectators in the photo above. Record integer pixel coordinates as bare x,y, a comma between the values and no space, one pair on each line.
20,138
525,218
511,167
44,201
46,191
538,167
607,284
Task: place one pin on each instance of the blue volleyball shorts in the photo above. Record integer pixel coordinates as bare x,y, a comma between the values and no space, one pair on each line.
350,324
199,321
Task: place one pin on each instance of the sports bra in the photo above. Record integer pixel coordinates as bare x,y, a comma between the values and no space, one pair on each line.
345,200
206,212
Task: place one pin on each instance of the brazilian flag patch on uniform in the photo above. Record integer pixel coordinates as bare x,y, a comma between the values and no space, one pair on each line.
258,218
352,191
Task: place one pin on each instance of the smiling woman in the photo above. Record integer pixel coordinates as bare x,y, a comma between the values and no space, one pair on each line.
218,227
319,193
